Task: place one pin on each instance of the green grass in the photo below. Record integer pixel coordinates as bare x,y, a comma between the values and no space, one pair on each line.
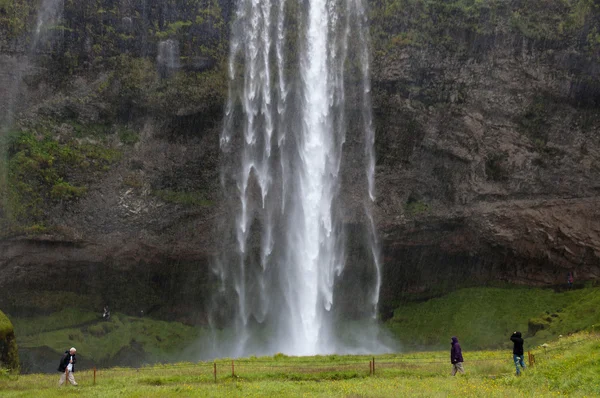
569,367
485,317
100,340
59,320
482,318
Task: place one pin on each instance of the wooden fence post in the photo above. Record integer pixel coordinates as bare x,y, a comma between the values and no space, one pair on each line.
370,368
215,370
94,375
232,369
373,365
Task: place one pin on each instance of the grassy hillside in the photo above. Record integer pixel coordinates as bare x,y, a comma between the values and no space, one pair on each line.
569,367
486,317
122,340
482,318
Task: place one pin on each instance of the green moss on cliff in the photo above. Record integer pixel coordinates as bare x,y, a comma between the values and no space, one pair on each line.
136,29
415,207
435,23
464,25
9,356
141,88
15,16
189,93
43,172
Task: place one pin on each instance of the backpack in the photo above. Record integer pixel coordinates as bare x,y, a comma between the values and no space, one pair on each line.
61,364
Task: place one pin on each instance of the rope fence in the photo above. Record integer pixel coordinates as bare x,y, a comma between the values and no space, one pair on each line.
239,368
222,369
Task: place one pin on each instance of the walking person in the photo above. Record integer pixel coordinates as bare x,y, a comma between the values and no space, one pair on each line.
570,280
67,367
456,357
518,353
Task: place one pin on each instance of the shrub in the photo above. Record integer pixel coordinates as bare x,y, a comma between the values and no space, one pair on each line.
65,191
9,356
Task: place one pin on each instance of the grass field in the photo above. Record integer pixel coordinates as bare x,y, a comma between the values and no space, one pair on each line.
482,318
485,317
100,341
569,366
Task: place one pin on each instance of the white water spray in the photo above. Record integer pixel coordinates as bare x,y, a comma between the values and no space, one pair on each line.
283,142
167,58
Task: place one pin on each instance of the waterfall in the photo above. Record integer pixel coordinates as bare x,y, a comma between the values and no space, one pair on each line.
283,145
167,59
49,15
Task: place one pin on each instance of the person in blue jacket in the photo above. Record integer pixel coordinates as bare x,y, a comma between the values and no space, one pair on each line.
456,357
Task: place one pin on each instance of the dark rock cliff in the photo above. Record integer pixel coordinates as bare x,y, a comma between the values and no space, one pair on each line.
488,142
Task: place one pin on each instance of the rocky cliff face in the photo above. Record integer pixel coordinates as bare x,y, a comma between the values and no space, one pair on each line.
489,149
488,142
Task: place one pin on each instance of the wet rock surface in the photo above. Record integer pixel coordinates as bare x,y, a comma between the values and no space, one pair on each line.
488,170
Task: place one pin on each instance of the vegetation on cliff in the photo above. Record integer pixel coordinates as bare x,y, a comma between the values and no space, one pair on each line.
454,24
44,170
56,151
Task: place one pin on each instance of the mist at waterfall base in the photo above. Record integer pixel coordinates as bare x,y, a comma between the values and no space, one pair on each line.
299,90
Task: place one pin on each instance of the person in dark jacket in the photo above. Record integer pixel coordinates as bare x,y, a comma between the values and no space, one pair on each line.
518,353
570,280
456,357
67,367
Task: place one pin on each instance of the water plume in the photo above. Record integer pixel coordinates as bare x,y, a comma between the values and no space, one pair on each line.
283,145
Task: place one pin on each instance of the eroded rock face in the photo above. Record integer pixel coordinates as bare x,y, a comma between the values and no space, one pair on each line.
471,188
488,170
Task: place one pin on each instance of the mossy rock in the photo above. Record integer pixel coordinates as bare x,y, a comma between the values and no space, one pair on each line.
9,356
534,325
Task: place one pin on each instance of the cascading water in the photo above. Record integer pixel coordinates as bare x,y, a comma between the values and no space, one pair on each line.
49,14
283,145
168,57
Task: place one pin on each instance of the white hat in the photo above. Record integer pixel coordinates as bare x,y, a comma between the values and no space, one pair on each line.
72,349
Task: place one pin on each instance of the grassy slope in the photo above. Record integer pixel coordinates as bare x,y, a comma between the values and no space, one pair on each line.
485,317
570,366
480,317
98,340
